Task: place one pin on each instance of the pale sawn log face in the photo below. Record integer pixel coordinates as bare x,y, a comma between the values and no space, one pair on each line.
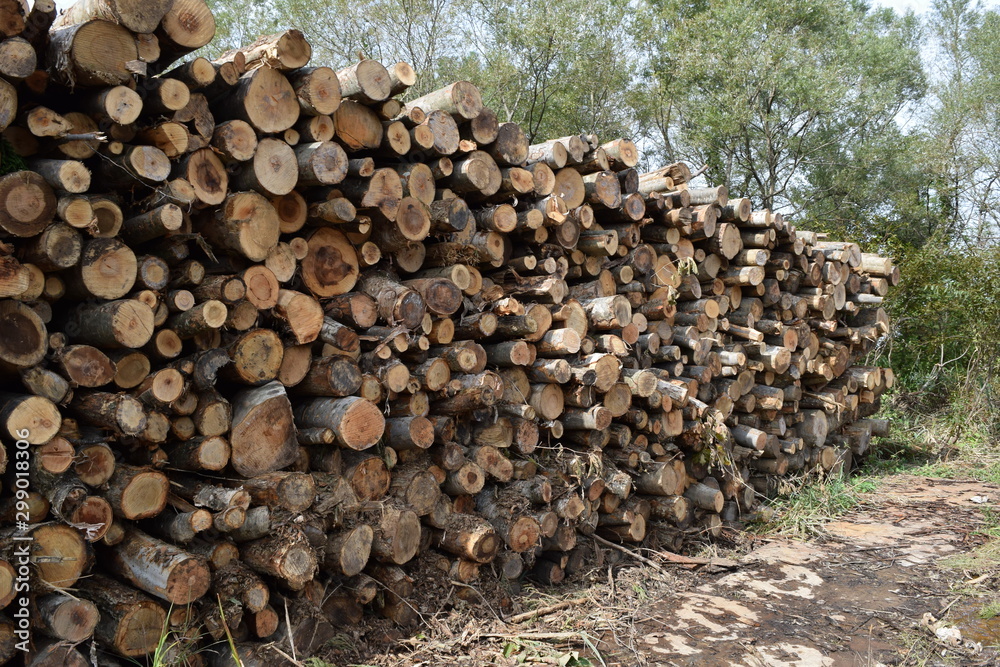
284,323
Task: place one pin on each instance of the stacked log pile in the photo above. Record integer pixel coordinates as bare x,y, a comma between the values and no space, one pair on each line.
274,338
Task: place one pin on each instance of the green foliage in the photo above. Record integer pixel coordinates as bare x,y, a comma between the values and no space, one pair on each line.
788,102
9,160
947,307
805,506
989,611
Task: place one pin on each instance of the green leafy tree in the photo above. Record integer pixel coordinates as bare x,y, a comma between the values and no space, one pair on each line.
792,103
557,68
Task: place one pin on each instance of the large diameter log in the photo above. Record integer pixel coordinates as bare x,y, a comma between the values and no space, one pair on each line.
58,552
658,479
85,366
331,265
33,419
395,302
262,438
159,568
187,25
131,624
246,224
264,98
272,171
396,535
136,15
293,491
357,126
347,553
603,188
93,53
705,497
357,423
621,153
205,173
511,146
317,89
137,493
302,315
107,269
441,296
27,203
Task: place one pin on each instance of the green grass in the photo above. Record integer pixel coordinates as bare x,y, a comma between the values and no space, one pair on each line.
811,503
990,611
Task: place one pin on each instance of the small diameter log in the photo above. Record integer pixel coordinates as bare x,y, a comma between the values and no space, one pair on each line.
285,554
468,536
159,568
137,493
396,537
208,453
347,552
460,99
236,581
153,224
705,497
358,127
235,140
118,412
287,50
366,81
67,618
357,423
117,324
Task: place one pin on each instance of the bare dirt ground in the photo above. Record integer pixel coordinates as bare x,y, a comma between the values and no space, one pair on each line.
900,580
871,593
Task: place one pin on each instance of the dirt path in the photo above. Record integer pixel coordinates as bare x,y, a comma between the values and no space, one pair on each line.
858,597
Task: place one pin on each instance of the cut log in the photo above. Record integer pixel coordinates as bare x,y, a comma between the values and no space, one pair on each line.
264,98
358,424
263,433
93,52
130,624
159,568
